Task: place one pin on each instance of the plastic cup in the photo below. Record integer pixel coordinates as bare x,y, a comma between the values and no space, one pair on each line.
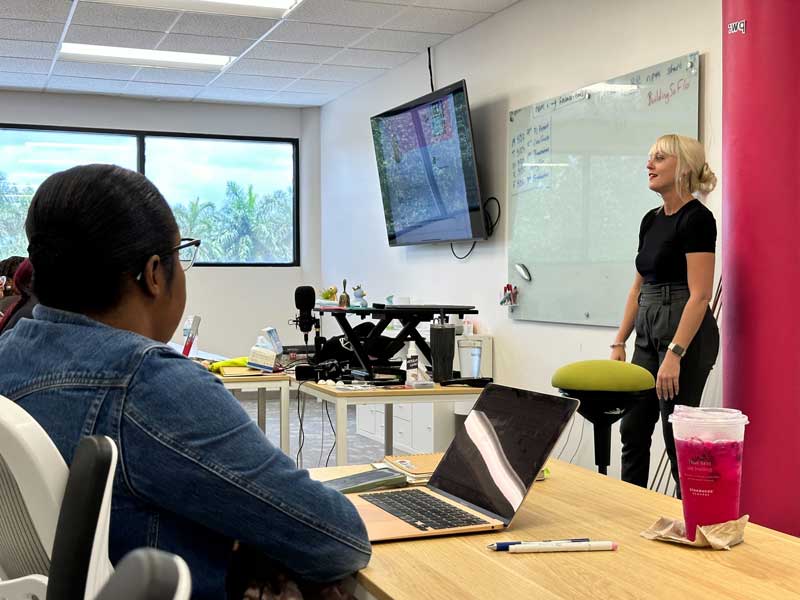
709,444
469,357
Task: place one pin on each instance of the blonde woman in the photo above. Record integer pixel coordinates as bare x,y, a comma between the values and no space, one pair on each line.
677,339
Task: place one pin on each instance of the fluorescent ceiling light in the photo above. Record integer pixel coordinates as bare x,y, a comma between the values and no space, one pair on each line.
271,9
143,58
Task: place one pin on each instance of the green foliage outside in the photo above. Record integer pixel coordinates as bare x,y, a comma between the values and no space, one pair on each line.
14,202
245,228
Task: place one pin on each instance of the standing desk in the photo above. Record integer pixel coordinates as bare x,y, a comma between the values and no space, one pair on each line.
261,384
577,502
442,399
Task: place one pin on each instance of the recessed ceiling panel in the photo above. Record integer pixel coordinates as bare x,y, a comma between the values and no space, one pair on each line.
344,12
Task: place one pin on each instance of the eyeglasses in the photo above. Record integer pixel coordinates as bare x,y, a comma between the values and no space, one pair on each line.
187,254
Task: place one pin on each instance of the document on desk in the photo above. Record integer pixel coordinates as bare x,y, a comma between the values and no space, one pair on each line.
240,372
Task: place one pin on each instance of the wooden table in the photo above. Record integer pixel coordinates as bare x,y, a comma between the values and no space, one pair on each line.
261,384
576,502
441,397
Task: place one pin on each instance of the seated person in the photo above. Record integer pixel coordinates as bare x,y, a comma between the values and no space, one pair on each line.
23,306
195,473
8,293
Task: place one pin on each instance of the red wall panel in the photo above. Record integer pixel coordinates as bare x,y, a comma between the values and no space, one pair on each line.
761,250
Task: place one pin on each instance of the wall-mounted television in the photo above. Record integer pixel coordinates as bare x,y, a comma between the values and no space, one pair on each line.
427,170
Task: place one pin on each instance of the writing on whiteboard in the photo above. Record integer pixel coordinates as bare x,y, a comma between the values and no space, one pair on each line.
665,94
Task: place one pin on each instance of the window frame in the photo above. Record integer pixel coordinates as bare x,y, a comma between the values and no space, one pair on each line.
140,136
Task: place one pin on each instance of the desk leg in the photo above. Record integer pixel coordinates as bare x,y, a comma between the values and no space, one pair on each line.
388,432
341,431
285,417
262,409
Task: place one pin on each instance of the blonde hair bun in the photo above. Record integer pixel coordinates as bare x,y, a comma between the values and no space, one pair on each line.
706,179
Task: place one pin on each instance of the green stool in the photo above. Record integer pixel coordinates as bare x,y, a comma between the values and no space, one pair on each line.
606,389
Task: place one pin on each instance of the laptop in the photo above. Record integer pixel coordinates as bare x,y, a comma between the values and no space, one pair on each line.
484,475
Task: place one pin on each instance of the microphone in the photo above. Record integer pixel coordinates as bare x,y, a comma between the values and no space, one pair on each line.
304,300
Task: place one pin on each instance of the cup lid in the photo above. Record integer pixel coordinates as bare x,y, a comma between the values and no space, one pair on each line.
717,416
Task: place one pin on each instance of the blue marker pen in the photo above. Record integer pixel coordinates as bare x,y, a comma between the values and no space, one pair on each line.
503,546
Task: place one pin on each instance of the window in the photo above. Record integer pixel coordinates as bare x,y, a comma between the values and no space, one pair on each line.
238,195
28,157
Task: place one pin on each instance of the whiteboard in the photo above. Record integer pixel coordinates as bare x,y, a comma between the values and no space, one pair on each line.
577,183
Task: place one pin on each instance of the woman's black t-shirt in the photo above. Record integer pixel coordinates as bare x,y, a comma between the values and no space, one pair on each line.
665,240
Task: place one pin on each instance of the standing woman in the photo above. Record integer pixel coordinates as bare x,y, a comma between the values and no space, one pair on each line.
677,339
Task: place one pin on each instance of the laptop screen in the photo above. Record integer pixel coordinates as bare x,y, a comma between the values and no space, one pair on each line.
504,442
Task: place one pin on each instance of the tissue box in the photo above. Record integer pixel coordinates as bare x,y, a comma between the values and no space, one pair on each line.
261,358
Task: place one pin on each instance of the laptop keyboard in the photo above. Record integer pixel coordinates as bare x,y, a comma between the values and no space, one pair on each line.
422,510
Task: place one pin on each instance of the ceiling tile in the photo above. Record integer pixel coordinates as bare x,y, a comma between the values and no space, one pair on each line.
108,36
321,35
86,84
397,2
17,49
22,81
32,31
123,17
246,28
175,76
300,99
275,68
234,95
316,86
179,42
344,12
340,73
252,82
492,6
400,41
35,10
355,57
94,70
292,52
435,20
24,65
162,90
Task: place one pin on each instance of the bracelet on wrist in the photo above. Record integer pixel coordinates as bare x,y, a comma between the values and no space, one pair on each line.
617,345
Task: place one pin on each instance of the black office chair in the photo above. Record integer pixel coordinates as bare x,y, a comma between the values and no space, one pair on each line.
79,567
80,548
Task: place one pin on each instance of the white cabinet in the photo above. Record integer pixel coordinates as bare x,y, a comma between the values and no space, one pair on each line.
418,428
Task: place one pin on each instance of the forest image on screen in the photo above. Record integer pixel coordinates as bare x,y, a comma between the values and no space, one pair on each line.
427,171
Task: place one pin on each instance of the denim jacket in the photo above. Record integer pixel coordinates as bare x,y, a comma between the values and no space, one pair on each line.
194,470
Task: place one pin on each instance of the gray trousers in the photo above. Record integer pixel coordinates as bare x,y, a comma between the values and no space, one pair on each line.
660,310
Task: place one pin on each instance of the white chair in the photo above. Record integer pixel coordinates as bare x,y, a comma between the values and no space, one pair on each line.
54,523
148,574
33,480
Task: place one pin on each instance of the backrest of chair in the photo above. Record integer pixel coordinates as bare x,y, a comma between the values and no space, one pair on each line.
33,476
148,574
80,564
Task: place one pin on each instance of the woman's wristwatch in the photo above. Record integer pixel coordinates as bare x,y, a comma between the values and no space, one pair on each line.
677,349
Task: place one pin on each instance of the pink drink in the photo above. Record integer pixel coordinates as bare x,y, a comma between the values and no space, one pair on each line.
711,474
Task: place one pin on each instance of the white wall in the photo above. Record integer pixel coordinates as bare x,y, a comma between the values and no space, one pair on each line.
533,50
235,302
